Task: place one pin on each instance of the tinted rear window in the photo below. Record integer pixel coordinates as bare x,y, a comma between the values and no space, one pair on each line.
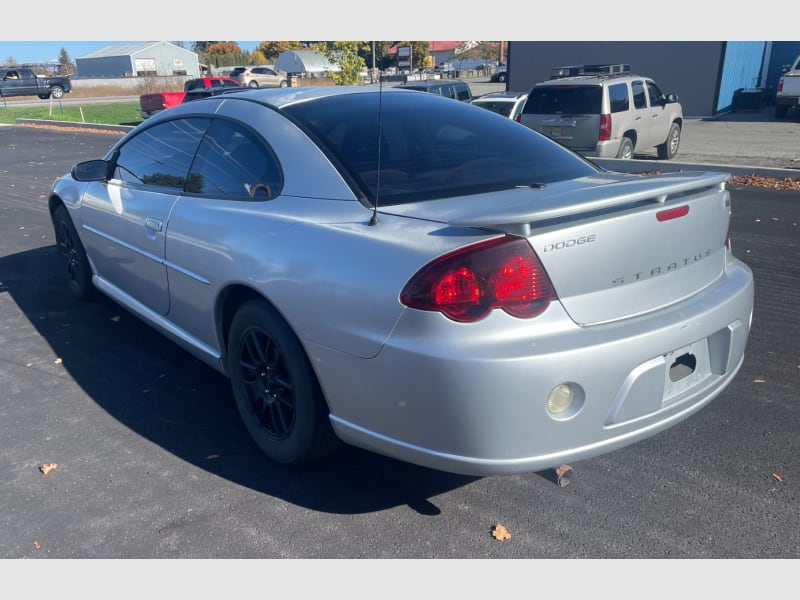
432,147
565,100
501,108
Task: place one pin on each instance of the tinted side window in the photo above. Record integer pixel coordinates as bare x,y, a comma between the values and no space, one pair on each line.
161,155
639,97
235,163
618,97
462,93
655,95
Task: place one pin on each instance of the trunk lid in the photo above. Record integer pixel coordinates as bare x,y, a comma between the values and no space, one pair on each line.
618,247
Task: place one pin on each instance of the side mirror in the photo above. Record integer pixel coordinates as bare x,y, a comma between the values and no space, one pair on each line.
91,170
672,97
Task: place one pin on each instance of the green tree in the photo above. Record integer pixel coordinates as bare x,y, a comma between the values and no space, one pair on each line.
346,55
465,51
66,65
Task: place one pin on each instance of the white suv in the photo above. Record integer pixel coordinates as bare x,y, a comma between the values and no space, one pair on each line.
788,91
605,111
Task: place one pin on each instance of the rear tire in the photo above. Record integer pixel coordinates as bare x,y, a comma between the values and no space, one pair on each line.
57,92
78,270
780,111
625,151
253,84
669,148
276,391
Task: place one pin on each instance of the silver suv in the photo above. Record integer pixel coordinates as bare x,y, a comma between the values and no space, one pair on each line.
261,76
605,111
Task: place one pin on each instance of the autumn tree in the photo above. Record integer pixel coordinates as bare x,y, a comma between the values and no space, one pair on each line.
220,48
270,51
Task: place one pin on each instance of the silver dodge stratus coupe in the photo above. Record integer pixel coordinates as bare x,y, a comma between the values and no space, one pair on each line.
414,276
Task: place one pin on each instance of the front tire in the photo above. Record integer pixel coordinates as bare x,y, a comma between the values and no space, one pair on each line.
57,92
78,270
276,391
669,148
253,84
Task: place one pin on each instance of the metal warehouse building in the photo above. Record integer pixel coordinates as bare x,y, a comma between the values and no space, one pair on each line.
704,75
138,60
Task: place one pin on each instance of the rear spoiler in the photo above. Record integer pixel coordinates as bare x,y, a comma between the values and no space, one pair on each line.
518,216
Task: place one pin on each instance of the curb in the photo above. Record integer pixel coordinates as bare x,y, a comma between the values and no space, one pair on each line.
643,166
76,125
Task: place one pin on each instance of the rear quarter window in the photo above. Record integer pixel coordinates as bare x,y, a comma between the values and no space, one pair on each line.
618,97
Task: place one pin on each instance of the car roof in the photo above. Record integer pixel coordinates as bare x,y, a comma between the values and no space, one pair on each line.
281,97
511,96
429,84
591,79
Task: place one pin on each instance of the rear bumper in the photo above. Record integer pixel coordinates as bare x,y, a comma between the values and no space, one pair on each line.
476,403
787,100
607,149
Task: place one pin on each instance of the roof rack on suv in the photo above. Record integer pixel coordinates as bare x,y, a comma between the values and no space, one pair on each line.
574,70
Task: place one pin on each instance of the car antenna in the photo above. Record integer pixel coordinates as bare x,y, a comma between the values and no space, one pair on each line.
374,219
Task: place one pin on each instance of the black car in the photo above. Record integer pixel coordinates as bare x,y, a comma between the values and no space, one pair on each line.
458,90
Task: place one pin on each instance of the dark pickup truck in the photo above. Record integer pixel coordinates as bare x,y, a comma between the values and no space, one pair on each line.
19,81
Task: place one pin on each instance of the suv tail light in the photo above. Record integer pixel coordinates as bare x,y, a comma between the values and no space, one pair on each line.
465,285
605,128
780,85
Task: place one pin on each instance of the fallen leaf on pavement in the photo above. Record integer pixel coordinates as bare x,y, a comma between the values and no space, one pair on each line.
759,381
500,533
48,467
777,477
36,544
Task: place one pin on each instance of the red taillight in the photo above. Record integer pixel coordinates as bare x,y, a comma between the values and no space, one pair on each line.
467,284
780,85
605,128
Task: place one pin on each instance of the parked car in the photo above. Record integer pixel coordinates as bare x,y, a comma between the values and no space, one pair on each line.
259,77
605,111
449,288
451,88
199,93
508,104
205,83
787,95
500,74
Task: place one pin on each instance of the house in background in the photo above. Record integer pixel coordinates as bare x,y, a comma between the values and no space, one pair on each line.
140,59
704,75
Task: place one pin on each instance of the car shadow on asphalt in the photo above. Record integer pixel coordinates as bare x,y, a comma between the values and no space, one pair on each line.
168,397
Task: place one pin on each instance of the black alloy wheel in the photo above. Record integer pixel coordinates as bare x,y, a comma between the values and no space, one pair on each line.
276,391
78,270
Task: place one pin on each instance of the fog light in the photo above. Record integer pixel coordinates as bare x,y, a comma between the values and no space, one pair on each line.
560,399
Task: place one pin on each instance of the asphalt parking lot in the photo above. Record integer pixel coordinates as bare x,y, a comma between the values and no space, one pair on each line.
152,461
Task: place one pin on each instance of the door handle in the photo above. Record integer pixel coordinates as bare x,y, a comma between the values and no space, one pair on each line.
154,224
